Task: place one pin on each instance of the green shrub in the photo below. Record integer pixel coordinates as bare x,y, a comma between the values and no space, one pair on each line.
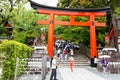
12,49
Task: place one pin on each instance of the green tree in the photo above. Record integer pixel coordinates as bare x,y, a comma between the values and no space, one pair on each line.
22,20
81,3
81,34
7,6
115,4
6,9
77,34
24,24
11,50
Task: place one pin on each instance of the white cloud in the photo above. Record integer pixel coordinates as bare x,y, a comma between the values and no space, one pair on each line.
44,2
47,2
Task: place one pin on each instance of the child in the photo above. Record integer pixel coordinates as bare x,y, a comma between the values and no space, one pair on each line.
61,57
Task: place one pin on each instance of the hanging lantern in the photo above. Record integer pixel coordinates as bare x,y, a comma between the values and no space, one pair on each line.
43,34
7,24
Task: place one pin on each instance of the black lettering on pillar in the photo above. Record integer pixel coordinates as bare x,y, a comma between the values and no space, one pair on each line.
93,23
51,21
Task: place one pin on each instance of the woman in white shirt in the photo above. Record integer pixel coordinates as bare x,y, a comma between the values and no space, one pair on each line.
54,67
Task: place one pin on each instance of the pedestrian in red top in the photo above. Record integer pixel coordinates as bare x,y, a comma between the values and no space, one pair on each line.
71,62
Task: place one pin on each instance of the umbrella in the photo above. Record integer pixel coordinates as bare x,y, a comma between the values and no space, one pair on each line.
106,49
104,56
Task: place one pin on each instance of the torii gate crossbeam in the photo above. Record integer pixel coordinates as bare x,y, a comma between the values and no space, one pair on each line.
92,24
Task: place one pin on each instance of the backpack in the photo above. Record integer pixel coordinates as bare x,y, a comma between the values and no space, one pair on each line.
65,52
68,49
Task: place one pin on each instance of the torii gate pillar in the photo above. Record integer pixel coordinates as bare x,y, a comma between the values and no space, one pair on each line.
91,24
51,36
93,48
72,13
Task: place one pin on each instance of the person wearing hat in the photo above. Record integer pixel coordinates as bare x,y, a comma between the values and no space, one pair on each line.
54,67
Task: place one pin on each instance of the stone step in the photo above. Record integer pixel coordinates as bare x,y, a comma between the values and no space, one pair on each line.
81,58
36,56
74,65
80,66
74,60
32,72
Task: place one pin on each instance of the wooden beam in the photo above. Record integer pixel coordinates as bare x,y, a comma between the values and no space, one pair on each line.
71,23
43,11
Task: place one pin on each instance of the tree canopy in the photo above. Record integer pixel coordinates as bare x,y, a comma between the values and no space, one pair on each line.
22,21
81,34
7,6
81,3
88,3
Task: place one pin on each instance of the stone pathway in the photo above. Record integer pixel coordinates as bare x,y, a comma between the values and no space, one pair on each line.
30,77
82,73
86,73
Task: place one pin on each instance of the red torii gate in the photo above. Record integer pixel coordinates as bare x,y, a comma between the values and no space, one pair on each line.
52,11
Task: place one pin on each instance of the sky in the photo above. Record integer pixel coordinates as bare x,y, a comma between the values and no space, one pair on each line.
47,2
44,2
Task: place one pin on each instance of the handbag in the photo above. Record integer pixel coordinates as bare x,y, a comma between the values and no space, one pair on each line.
104,65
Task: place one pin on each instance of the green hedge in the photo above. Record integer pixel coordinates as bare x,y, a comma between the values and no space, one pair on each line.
12,49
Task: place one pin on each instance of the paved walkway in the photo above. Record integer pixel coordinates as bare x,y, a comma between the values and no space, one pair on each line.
86,73
82,73
79,74
30,77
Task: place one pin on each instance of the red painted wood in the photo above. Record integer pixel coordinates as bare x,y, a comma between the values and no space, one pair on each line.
91,23
71,23
51,36
111,33
93,49
42,11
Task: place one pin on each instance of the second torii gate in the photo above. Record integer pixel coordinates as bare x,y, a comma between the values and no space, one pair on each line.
52,11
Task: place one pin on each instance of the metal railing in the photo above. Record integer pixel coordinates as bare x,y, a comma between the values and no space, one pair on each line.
32,66
85,50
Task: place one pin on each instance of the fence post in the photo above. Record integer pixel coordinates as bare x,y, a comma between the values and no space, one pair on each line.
43,66
15,75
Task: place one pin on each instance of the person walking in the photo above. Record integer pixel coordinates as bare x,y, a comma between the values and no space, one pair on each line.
61,56
58,52
71,52
104,64
65,54
71,62
95,61
54,67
